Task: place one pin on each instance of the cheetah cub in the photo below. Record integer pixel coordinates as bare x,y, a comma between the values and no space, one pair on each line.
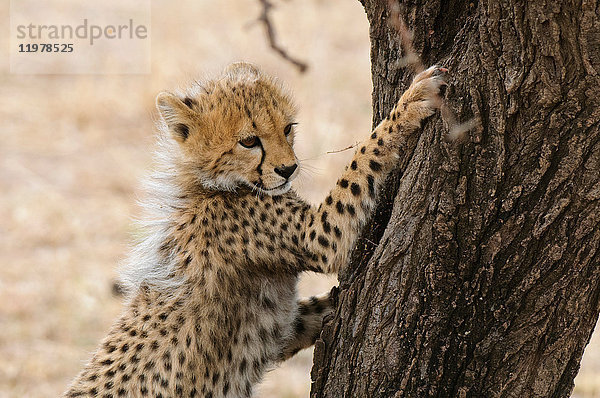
212,285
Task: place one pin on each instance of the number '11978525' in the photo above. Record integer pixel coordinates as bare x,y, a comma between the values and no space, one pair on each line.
46,48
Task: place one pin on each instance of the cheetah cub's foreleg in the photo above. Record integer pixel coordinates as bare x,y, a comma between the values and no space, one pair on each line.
332,229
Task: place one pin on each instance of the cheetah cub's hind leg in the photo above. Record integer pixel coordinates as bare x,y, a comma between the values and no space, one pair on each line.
308,323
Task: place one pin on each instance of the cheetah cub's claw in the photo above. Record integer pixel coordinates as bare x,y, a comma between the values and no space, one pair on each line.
423,96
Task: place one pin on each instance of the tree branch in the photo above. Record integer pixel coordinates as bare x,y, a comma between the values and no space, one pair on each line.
271,36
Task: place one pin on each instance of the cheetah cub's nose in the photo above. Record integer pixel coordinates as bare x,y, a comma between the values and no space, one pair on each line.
286,171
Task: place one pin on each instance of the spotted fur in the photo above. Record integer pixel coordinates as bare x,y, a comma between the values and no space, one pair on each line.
212,284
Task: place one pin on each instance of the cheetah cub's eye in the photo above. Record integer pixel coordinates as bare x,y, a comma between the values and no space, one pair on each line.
249,142
288,129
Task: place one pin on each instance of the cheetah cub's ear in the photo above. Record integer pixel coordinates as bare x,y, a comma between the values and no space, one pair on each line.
176,114
243,70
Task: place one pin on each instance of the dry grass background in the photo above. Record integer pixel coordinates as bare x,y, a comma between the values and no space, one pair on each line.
72,150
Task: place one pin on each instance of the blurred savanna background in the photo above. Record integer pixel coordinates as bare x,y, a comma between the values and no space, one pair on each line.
74,147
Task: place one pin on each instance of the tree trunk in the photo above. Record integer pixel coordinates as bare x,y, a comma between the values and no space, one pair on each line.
481,273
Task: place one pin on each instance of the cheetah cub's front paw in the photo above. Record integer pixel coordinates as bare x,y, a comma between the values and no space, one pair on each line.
422,97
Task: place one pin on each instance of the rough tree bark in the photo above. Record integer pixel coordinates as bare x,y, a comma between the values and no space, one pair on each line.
481,275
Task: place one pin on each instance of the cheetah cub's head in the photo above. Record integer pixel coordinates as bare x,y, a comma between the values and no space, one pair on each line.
234,131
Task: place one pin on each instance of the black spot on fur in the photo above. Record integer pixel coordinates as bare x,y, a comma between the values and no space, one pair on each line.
355,189
299,327
317,305
380,142
339,207
351,210
375,166
344,183
337,232
374,135
353,165
371,182
323,241
268,303
329,200
304,309
226,388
